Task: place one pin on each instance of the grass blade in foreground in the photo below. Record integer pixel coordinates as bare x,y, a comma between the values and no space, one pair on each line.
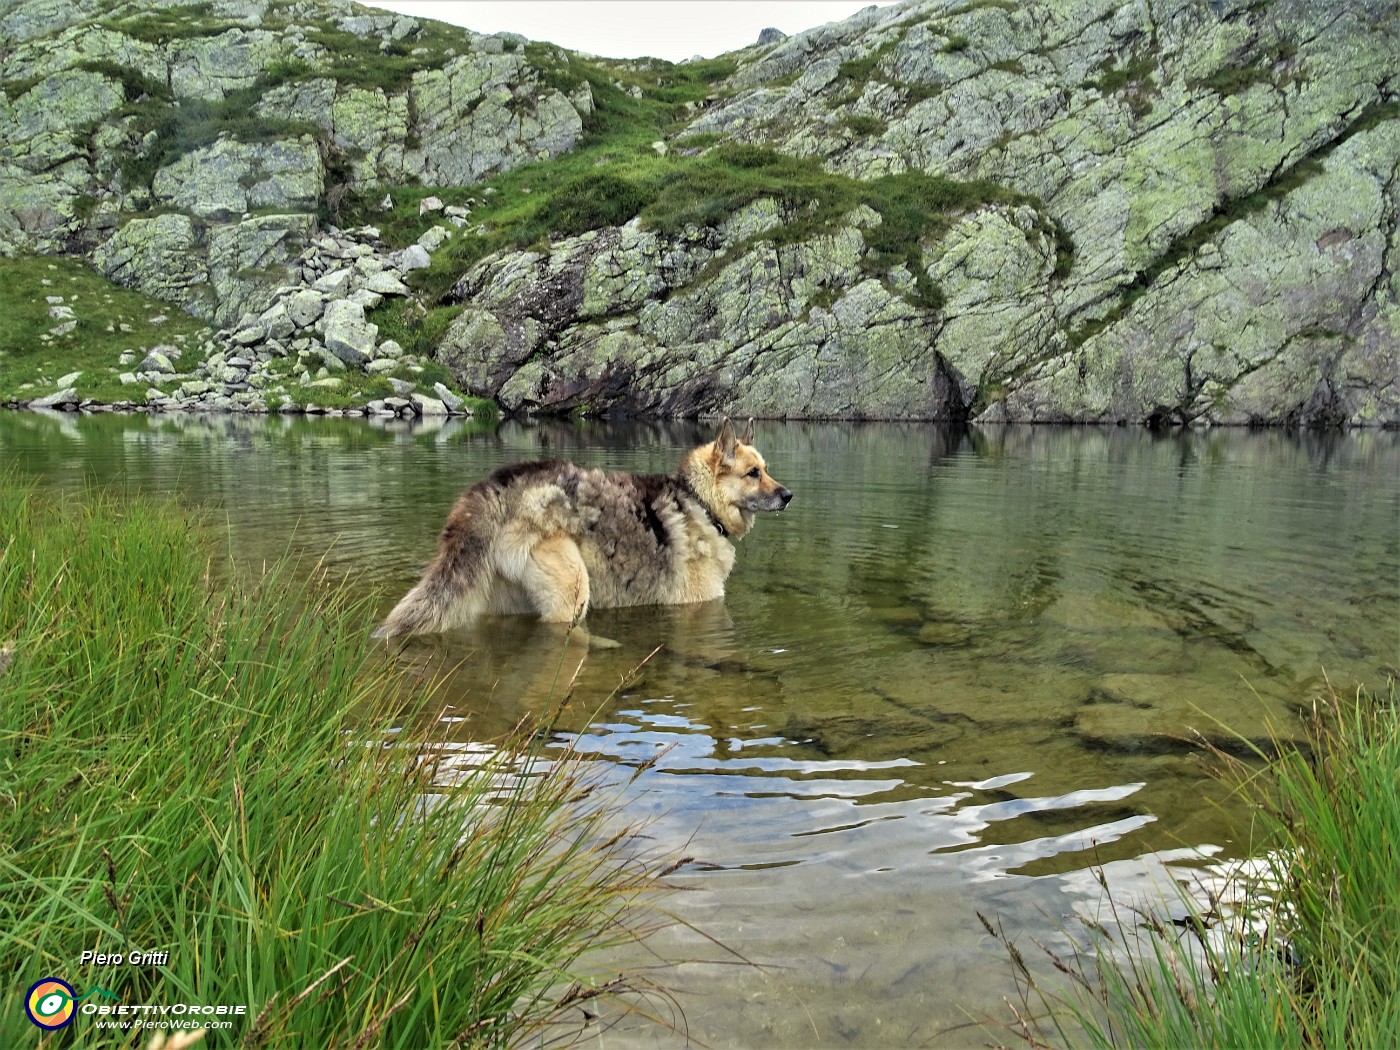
191,763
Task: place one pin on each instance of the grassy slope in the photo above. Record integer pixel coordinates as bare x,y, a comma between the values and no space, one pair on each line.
29,355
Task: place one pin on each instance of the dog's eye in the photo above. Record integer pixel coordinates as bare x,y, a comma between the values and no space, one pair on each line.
753,473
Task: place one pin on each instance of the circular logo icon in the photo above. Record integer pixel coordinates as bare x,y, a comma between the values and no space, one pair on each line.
49,1003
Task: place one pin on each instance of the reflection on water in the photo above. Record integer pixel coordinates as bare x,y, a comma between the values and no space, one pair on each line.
960,669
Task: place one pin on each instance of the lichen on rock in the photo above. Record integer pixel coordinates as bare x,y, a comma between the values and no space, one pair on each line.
1172,212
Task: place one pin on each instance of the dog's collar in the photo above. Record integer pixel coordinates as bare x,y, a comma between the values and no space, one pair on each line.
690,491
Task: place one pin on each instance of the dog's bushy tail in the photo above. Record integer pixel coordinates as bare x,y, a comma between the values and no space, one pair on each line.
443,598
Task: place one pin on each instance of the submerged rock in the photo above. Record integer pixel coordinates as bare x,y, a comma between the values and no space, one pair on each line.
944,634
1154,712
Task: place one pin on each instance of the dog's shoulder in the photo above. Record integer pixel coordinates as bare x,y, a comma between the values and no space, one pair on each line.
645,488
654,500
664,505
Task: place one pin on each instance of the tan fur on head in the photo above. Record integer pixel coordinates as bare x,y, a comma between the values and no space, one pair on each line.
732,479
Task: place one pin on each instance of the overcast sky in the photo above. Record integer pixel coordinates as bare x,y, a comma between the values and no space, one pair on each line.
670,29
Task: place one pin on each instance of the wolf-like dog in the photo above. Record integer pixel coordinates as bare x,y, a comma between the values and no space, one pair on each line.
553,538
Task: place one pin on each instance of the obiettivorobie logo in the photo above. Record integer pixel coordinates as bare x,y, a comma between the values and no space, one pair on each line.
51,1003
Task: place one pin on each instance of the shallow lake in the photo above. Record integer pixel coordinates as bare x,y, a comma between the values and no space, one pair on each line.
963,669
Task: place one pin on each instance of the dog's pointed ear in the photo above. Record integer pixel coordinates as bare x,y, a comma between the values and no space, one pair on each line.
747,439
726,442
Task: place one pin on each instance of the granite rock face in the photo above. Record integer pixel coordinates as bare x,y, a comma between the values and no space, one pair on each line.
1225,172
42,174
226,179
618,320
1290,313
483,112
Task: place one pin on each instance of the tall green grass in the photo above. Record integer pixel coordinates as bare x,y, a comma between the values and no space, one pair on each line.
1309,954
215,764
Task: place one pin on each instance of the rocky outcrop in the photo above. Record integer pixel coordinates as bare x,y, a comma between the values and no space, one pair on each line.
218,271
1175,212
479,114
42,174
1289,314
227,179
1226,172
231,112
313,332
629,320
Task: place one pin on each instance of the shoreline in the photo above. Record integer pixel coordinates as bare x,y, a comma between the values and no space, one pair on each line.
409,408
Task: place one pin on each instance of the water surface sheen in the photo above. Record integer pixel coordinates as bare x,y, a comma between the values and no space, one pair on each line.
961,669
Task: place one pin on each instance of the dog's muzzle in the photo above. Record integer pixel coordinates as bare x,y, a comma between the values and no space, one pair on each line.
780,499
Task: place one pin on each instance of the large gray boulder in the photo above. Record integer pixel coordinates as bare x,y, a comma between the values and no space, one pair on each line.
305,307
346,332
483,112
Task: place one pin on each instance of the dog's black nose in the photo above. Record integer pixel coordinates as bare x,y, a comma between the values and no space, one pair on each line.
785,496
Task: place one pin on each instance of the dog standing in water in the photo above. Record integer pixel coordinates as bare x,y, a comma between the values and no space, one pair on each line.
553,538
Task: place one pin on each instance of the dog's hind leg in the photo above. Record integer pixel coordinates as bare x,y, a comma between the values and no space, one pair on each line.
556,579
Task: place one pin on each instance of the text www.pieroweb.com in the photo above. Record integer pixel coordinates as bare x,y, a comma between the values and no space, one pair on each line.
175,1017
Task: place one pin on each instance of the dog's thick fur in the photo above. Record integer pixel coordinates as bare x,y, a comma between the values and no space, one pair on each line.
553,538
